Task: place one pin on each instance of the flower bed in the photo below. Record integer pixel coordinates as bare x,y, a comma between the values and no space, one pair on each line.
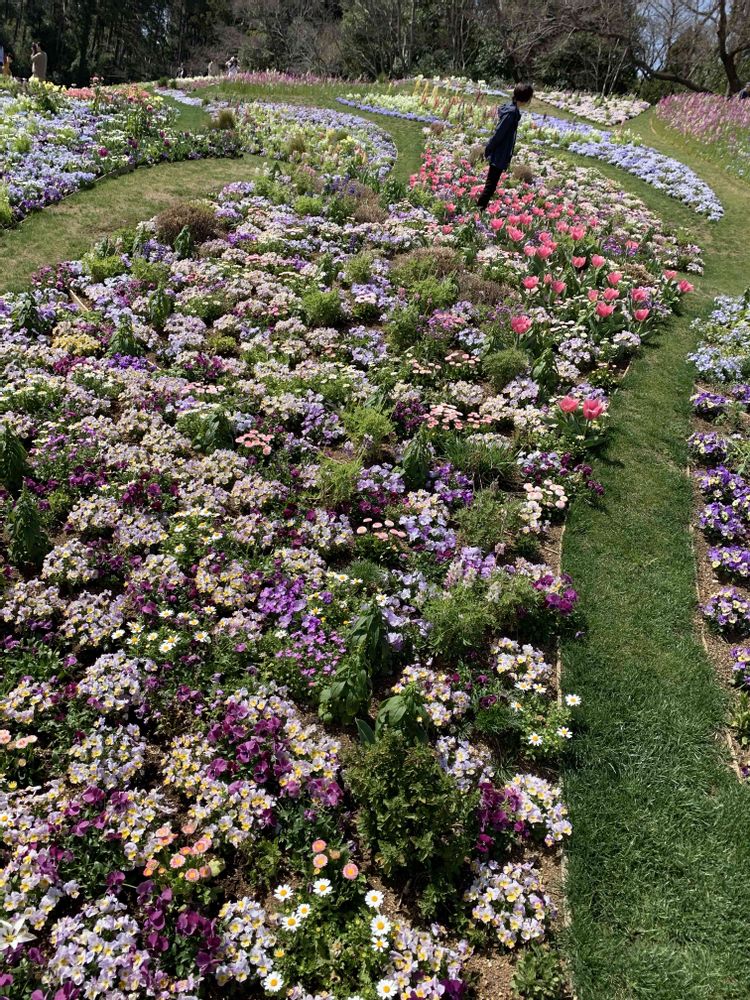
333,142
721,123
273,492
719,449
662,172
604,109
52,144
403,106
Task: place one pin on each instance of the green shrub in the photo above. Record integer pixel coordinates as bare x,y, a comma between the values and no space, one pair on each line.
490,520
358,270
432,293
322,308
485,462
412,816
6,212
501,367
341,209
199,220
308,204
461,620
28,541
101,268
338,480
402,329
372,576
225,120
296,143
368,427
13,460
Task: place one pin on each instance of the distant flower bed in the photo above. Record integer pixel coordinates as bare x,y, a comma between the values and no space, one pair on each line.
662,172
333,142
392,105
720,447
604,109
52,143
719,122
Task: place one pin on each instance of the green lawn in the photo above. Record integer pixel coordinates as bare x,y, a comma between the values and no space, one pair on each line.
659,864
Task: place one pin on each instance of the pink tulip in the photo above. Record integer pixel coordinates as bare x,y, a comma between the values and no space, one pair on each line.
578,262
603,310
670,275
530,250
685,286
515,233
530,282
520,325
593,294
578,232
558,287
610,294
597,260
496,224
592,408
614,278
641,314
639,294
568,404
544,252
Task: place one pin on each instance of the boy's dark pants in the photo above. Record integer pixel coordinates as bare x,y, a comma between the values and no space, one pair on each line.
493,176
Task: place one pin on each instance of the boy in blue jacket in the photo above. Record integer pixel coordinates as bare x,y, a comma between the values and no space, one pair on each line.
499,149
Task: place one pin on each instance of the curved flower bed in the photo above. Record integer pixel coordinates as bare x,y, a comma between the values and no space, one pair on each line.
604,109
719,447
660,171
390,105
52,144
719,122
333,142
266,493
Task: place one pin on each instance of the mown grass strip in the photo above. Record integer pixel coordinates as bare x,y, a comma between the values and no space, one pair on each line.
659,866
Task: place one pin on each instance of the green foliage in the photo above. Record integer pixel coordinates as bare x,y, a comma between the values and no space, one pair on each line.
217,432
13,460
489,520
416,461
160,307
461,620
412,816
369,654
501,367
368,427
6,212
358,269
308,204
124,340
402,328
183,244
341,209
322,308
225,120
432,293
338,480
372,576
740,719
539,975
28,543
405,712
485,462
199,219
101,268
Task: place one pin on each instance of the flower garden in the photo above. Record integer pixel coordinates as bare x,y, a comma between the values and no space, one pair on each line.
284,474
53,143
720,124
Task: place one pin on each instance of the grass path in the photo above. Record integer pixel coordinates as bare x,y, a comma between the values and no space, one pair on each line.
659,866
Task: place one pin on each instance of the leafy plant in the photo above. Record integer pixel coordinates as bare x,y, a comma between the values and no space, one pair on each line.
124,340
405,712
28,541
460,621
488,521
501,367
416,461
183,244
539,975
368,427
411,815
13,460
369,654
740,719
338,480
322,308
217,432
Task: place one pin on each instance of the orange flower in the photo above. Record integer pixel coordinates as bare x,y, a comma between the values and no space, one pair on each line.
151,866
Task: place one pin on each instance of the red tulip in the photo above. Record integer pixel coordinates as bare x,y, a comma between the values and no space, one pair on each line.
520,325
592,408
